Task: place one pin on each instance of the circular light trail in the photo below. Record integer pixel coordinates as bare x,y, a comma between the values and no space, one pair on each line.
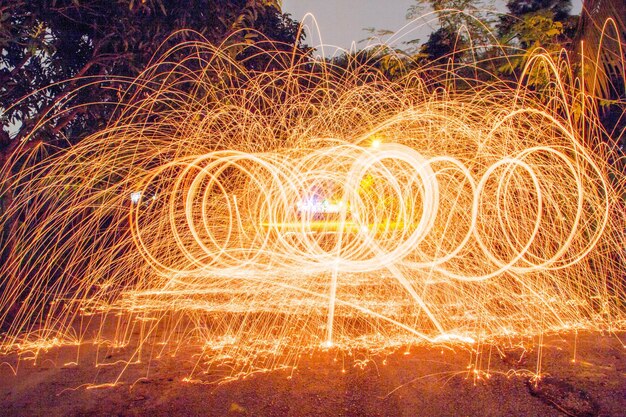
257,215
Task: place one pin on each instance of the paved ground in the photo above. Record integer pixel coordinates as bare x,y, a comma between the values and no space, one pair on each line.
429,381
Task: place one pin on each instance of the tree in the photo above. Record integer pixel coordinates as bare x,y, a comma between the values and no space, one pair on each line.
443,43
56,54
518,10
535,23
601,47
602,31
461,22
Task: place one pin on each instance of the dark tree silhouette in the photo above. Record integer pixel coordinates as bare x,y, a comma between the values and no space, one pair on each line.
44,43
602,29
530,24
601,47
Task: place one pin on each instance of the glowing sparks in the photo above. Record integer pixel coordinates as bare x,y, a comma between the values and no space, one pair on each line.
267,221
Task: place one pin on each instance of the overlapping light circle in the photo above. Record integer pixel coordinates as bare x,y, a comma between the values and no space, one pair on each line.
237,210
253,212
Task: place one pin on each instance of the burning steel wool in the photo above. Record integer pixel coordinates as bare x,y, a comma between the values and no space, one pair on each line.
255,215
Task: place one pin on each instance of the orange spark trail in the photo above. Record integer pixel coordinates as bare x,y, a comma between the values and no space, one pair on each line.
259,214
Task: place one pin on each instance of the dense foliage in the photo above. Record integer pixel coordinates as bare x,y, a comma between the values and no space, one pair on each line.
44,43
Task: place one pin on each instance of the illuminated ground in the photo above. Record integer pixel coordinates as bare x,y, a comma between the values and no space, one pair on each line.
429,381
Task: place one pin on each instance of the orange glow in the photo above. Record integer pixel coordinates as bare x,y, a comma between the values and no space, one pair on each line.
489,211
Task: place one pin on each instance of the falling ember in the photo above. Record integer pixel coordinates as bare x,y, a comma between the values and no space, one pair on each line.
268,217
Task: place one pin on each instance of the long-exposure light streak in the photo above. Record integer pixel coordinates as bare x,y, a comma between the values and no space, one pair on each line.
255,215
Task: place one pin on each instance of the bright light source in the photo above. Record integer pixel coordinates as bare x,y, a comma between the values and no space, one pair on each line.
376,143
135,196
315,206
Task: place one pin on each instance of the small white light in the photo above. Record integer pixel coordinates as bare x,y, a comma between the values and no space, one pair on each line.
314,206
135,196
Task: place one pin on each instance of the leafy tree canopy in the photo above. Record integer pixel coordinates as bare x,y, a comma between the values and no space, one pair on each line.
43,43
531,23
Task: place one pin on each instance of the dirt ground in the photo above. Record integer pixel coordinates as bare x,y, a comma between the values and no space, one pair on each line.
582,374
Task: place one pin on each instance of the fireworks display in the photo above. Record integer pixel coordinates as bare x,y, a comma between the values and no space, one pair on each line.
255,215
